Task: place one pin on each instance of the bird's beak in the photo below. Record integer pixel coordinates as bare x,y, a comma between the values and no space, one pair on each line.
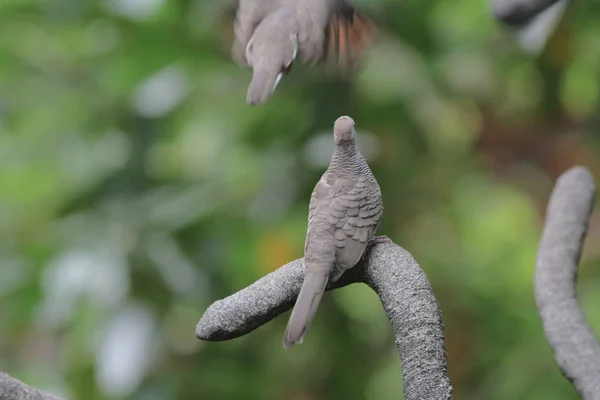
262,85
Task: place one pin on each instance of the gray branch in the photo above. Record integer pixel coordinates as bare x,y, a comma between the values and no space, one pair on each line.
405,294
575,348
14,389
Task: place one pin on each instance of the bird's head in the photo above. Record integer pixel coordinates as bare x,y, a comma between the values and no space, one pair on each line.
344,130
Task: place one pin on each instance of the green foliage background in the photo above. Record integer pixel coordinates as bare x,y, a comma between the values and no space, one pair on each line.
137,187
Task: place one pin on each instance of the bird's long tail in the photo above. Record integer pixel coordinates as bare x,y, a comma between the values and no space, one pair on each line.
306,306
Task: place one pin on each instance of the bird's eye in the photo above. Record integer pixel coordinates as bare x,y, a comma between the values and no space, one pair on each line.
286,69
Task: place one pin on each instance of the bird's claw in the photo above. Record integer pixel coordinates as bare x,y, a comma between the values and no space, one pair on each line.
379,240
375,240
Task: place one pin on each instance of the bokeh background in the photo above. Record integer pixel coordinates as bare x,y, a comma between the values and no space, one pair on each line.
137,187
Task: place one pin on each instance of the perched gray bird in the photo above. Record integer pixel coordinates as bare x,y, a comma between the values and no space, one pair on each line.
344,213
271,34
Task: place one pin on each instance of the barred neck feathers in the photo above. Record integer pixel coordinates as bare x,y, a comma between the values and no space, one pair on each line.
347,159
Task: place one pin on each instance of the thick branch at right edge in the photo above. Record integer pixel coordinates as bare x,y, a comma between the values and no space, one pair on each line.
575,347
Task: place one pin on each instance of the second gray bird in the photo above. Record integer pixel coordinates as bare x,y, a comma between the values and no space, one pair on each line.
270,34
344,213
271,52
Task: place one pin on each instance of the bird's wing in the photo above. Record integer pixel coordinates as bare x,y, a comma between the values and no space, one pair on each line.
319,201
357,213
347,36
248,15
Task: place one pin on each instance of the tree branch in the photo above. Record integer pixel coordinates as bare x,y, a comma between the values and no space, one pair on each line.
575,348
14,389
405,294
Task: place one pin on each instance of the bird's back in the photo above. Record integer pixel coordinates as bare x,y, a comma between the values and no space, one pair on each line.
344,213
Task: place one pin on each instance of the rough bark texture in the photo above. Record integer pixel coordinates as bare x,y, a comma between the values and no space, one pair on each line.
575,348
405,294
13,389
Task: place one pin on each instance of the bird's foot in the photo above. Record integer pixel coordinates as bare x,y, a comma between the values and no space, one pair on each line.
379,240
375,240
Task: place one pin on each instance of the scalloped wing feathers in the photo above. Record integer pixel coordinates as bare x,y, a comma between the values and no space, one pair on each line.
351,210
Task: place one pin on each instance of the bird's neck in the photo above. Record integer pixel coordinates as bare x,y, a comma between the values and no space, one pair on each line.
346,157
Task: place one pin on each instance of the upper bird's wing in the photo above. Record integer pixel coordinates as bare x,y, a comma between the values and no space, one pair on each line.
248,15
347,36
331,31
357,213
